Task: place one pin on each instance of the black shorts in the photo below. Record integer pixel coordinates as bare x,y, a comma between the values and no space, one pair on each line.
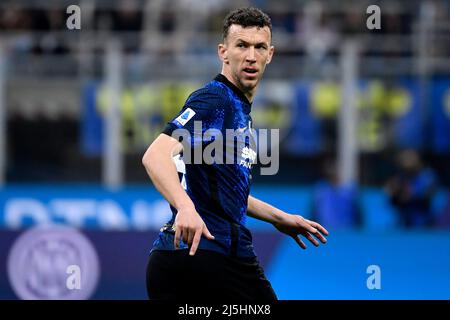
206,276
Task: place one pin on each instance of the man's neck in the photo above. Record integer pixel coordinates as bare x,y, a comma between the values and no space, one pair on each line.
249,94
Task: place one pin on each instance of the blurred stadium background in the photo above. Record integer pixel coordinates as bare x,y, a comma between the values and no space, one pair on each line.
78,108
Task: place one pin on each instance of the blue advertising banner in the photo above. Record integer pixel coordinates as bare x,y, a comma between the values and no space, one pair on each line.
352,265
85,242
130,208
366,266
142,208
110,264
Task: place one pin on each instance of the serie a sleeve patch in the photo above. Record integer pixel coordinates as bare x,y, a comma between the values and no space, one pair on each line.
183,118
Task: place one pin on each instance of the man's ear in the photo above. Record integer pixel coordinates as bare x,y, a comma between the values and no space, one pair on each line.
271,51
222,52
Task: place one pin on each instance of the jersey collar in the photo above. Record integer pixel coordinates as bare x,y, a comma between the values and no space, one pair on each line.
221,78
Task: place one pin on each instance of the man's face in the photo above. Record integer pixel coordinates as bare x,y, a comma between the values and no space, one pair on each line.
245,53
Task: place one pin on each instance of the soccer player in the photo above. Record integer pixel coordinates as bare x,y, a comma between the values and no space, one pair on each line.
205,252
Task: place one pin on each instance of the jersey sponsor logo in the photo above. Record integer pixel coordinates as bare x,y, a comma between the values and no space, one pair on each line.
183,118
248,157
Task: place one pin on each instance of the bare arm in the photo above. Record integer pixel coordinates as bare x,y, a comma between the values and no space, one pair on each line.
290,224
263,211
159,165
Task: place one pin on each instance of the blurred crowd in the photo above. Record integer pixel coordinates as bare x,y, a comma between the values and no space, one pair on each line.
313,28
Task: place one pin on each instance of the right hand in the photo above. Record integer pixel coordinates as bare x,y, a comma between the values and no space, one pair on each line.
189,226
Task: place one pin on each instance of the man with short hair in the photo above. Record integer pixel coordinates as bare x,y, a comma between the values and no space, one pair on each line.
205,252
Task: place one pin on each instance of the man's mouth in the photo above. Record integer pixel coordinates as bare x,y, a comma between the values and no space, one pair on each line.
251,71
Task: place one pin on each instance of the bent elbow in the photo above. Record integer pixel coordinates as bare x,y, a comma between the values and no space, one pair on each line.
144,160
147,157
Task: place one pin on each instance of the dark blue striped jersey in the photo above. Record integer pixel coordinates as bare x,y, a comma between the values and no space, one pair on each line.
219,187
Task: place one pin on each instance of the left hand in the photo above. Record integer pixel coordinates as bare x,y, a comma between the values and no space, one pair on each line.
293,225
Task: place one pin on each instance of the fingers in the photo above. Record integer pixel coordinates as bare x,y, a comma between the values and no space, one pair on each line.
305,224
195,242
190,230
319,230
319,236
312,239
299,242
185,234
190,237
206,233
176,241
312,228
318,226
197,236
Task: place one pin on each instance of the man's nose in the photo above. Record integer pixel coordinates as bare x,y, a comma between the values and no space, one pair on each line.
251,54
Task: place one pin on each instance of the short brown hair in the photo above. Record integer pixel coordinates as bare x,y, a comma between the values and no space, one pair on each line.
246,17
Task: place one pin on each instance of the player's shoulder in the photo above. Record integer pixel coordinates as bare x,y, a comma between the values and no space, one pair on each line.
213,91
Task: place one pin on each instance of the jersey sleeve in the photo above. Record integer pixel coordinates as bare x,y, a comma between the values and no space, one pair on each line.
203,109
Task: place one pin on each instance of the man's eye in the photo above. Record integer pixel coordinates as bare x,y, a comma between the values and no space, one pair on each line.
240,45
